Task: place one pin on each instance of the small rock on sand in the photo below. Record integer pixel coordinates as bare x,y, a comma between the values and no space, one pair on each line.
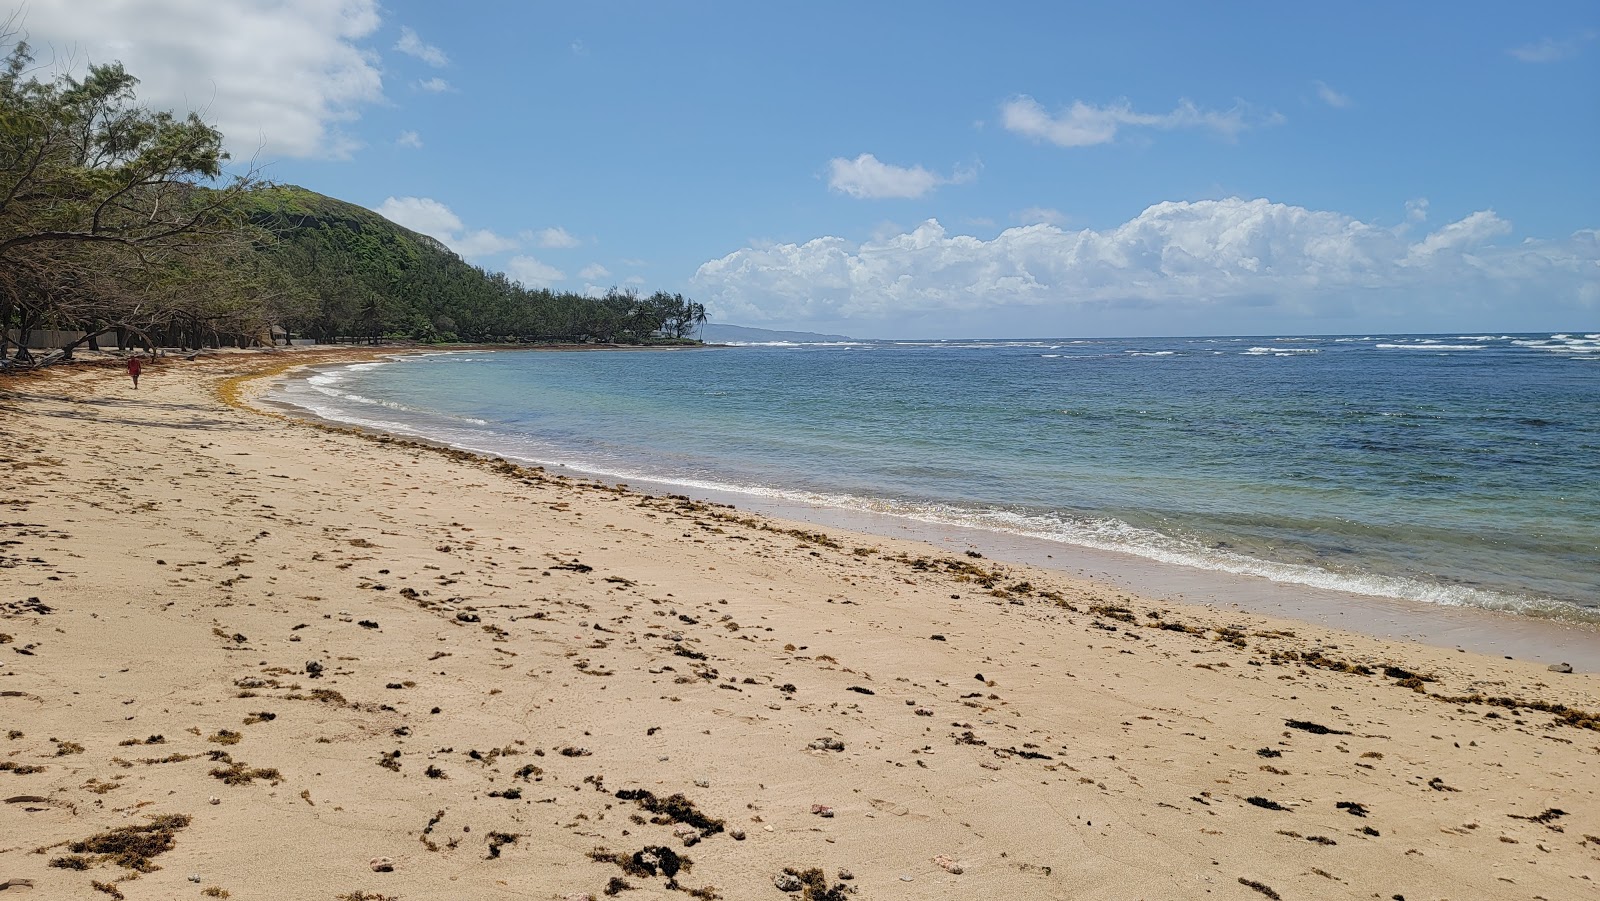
786,882
949,865
822,810
1560,667
382,864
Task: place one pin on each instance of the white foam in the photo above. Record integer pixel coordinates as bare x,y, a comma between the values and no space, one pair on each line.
1430,346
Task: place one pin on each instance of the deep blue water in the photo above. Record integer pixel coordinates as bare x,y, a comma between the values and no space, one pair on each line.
1452,469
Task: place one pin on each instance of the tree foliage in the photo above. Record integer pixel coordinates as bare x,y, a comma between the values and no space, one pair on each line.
114,216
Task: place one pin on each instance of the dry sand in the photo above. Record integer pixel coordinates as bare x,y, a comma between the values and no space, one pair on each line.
518,669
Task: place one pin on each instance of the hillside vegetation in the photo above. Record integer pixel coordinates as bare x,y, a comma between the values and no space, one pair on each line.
115,218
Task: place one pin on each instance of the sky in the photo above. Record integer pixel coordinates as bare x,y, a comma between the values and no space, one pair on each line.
931,169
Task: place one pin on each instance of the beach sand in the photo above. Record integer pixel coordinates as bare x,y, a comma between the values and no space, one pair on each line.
260,654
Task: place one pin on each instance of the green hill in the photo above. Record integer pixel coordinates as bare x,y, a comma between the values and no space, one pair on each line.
352,274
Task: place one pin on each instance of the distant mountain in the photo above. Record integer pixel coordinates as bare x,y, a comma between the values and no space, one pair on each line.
718,333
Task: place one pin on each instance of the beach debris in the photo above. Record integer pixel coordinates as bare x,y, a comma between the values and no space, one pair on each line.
1263,889
686,833
787,882
1355,810
498,840
923,711
1545,819
859,690
16,883
382,864
578,896
314,669
736,834
647,861
673,809
826,744
936,637
1560,667
194,877
949,865
214,800
127,846
822,810
1268,804
1313,728
846,875
812,882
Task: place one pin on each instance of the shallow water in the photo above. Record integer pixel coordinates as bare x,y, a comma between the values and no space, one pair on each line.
1459,470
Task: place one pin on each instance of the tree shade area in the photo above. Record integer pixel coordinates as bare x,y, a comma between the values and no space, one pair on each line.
116,219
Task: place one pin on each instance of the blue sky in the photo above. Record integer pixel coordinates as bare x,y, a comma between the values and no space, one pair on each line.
930,169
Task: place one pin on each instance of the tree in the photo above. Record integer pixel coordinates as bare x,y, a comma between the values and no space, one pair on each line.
96,191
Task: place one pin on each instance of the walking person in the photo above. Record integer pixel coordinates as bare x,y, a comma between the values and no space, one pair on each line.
134,368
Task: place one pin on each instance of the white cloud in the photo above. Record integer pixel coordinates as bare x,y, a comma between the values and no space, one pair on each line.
1035,215
412,45
432,218
594,272
1177,257
868,178
434,85
409,139
554,237
274,77
532,273
1331,97
1550,50
1083,124
1417,210
1474,230
421,214
633,280
480,243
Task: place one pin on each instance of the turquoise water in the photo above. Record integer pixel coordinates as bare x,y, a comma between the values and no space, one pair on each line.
1461,470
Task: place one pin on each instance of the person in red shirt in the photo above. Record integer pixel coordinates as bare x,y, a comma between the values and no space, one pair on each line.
134,368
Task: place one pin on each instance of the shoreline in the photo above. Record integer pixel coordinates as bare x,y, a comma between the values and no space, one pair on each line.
1485,631
418,673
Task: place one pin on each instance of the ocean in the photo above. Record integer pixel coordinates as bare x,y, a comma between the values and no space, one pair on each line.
1461,470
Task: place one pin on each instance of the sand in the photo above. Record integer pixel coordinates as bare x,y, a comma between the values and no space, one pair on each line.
283,651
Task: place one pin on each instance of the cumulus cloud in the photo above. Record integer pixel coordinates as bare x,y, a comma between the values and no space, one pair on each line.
1179,256
1084,124
432,218
594,272
274,77
1476,229
409,139
434,85
554,237
1331,97
532,273
868,178
412,45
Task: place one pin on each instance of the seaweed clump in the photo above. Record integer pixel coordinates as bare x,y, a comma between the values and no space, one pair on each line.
243,774
815,885
648,861
128,846
673,809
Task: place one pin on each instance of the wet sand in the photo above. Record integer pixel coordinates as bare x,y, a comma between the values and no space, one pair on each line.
274,654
